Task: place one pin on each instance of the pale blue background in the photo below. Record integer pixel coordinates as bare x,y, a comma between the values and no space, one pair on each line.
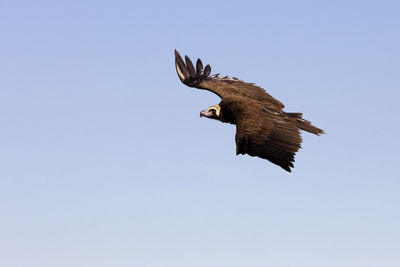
105,162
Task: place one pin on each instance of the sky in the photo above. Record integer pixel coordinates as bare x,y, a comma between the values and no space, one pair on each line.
104,160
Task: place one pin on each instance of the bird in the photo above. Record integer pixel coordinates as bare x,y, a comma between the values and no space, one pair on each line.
263,129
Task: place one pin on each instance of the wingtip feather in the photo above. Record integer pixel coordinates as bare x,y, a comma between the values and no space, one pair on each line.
181,69
207,71
190,67
199,67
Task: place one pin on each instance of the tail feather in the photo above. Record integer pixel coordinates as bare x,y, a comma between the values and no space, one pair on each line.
305,125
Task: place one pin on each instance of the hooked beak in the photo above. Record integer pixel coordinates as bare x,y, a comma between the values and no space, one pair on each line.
207,114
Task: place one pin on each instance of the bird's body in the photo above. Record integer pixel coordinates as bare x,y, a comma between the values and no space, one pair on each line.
263,129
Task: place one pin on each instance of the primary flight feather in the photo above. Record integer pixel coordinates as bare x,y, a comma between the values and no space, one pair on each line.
263,129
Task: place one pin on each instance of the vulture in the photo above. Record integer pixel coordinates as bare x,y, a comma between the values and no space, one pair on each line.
263,129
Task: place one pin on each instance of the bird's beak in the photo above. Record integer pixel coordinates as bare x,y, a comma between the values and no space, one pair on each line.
206,113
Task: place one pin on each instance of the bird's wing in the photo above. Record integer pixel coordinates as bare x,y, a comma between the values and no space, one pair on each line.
222,86
263,133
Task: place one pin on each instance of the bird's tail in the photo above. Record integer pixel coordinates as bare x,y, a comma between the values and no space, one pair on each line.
305,125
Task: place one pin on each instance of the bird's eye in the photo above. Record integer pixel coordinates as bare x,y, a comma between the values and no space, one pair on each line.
213,110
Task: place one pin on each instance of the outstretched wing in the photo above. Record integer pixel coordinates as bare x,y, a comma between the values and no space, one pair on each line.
222,86
263,133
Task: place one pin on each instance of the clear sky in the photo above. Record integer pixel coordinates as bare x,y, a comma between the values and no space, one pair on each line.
104,160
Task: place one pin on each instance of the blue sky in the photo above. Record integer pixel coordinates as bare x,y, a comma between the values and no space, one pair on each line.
105,162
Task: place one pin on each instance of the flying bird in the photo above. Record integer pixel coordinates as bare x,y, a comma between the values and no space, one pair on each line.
263,129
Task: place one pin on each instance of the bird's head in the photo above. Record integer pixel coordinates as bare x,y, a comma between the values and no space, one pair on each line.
213,112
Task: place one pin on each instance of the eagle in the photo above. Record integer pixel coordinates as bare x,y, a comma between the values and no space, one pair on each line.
263,129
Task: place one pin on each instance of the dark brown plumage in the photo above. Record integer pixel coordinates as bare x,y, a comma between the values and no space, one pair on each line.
263,129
